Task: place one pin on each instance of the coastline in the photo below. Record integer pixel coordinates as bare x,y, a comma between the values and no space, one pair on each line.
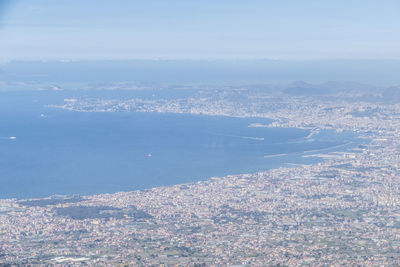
294,158
288,215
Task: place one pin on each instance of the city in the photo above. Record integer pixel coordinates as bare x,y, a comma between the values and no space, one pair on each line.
341,211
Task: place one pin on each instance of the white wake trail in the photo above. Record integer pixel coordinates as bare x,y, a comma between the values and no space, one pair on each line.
8,138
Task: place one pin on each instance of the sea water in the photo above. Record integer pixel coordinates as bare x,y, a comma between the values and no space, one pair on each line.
46,151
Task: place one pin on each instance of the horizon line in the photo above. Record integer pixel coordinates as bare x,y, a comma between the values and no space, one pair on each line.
155,59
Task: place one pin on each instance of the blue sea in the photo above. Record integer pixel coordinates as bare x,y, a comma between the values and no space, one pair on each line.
64,152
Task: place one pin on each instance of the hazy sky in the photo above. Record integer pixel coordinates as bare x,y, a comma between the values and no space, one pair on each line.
200,29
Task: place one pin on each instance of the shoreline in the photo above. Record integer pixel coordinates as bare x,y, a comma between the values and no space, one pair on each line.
335,212
313,131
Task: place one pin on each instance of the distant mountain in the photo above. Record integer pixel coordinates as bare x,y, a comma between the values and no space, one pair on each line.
391,94
301,88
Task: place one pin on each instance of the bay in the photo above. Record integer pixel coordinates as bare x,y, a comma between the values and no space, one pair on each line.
65,152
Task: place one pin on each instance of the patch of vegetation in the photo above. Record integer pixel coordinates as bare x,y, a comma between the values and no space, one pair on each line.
49,201
100,212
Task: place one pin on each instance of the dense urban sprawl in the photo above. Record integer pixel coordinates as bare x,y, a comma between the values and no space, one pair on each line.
342,211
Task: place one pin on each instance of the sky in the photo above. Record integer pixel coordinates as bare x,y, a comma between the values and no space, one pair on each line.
202,29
